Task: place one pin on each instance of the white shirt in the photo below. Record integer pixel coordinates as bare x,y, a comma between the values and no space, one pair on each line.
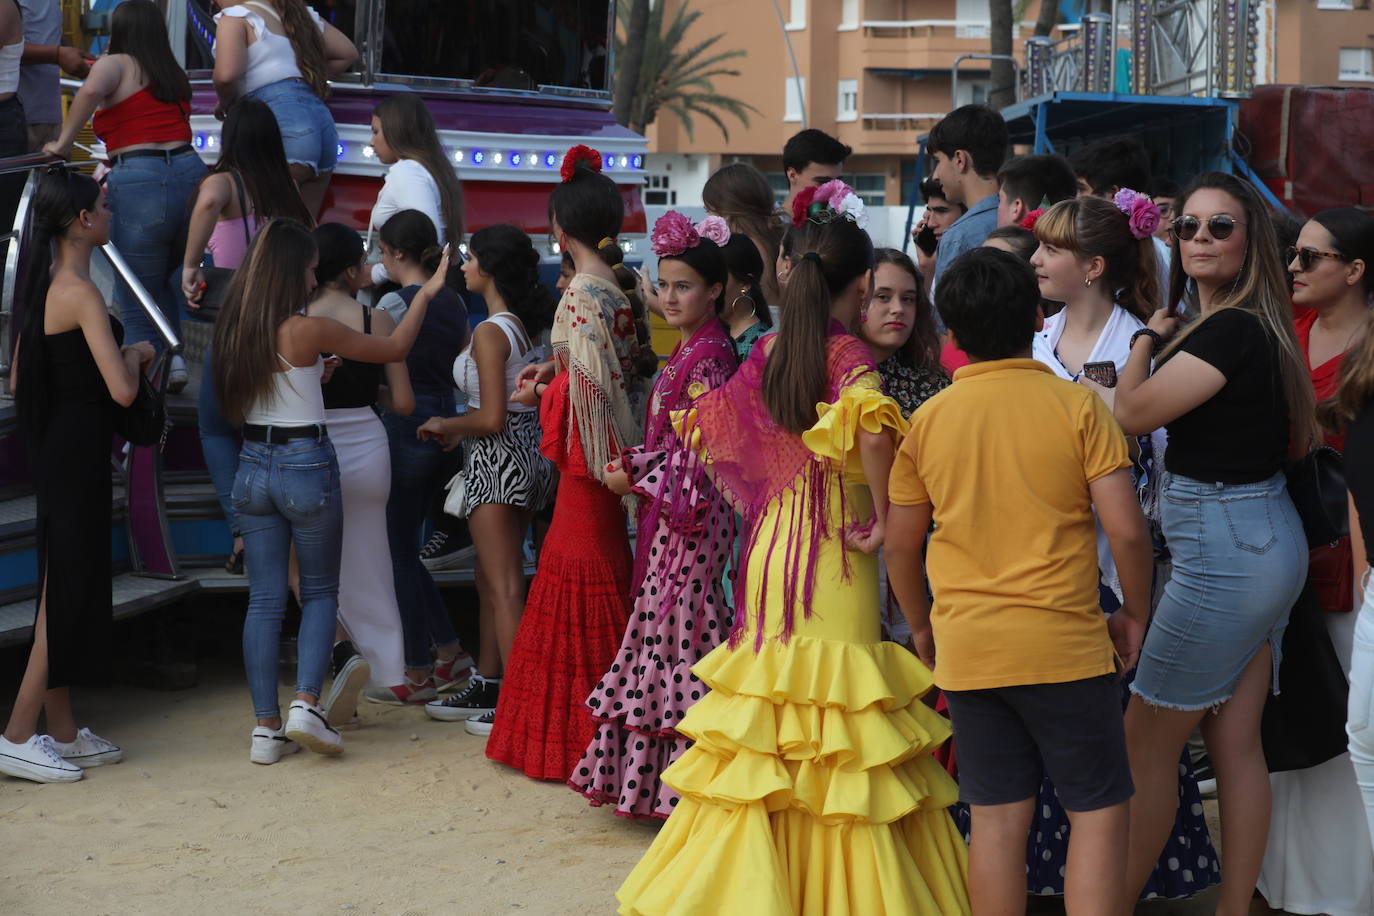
271,58
409,186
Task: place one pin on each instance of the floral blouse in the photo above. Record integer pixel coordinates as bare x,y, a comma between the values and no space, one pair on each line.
911,388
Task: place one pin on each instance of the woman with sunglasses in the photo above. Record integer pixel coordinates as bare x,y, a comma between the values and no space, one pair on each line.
1232,390
1319,858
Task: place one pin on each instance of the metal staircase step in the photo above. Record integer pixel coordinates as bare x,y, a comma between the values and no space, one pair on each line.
130,595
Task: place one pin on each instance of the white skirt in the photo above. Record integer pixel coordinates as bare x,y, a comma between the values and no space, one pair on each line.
1319,858
367,591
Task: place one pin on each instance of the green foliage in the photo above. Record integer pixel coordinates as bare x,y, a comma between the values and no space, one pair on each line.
676,76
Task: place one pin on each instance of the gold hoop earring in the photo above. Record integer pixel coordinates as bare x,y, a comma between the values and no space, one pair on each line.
745,297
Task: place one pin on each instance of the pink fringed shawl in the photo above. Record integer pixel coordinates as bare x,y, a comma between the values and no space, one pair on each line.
754,462
686,498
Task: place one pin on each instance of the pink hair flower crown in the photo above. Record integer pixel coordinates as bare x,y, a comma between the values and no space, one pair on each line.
832,200
1141,212
674,233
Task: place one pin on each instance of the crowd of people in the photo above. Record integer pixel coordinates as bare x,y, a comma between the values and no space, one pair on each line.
950,579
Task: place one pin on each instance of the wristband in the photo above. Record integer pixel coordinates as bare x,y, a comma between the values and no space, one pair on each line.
1155,347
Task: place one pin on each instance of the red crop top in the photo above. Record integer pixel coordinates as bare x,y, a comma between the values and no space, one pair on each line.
141,118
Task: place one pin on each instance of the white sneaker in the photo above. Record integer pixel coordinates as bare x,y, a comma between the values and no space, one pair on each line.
36,759
270,746
340,701
480,725
177,377
307,725
89,750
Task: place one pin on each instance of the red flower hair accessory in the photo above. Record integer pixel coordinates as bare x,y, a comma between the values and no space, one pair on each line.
801,205
576,155
1030,219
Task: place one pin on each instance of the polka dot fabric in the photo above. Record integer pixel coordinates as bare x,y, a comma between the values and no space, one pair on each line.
680,614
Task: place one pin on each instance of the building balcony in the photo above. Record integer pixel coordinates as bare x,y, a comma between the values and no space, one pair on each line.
916,45
884,132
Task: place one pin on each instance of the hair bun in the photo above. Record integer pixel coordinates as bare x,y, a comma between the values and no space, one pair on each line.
579,157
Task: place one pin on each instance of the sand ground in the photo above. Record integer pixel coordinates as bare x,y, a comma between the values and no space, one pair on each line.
411,820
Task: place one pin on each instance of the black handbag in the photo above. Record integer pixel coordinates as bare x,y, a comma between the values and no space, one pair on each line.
1304,724
1317,485
144,421
217,279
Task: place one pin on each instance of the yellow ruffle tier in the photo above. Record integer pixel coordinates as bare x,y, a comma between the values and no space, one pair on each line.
810,790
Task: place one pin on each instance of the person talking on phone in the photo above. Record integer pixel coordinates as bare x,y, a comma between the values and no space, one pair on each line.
940,214
1097,257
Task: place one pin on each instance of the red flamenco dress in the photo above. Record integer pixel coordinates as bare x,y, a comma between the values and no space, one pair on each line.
575,614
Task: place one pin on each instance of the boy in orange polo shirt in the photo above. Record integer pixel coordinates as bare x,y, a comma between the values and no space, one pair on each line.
1010,462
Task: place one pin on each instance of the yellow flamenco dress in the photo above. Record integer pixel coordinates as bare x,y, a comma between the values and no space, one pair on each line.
811,787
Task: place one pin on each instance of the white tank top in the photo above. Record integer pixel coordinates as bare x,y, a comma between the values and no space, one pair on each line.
271,58
296,399
522,354
9,67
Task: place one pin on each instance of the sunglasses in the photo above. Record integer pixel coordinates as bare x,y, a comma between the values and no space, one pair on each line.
1305,256
1219,226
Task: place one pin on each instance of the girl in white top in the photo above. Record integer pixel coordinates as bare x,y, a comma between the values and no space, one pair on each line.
420,178
505,478
282,52
267,369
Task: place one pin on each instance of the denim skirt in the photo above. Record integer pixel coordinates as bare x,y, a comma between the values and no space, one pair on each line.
1240,560
307,127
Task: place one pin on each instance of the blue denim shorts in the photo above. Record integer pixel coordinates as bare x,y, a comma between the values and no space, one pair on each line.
1240,560
307,127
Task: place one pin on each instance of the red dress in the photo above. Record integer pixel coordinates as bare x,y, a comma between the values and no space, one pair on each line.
575,614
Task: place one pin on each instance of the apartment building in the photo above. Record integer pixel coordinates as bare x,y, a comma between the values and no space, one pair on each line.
877,73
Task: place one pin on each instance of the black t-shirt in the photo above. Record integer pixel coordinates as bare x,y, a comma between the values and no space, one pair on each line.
1240,434
1359,472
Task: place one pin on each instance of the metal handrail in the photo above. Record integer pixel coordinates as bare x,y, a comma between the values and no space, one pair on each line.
31,163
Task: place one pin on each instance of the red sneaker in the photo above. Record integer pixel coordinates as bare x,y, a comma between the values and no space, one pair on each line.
408,694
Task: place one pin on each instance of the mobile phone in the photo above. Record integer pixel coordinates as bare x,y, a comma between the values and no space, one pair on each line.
926,241
1103,373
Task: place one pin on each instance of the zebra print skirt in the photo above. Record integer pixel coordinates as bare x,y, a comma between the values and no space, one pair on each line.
507,467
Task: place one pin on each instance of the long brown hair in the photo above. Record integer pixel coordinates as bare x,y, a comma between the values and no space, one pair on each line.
1352,235
740,194
251,146
922,348
827,256
409,130
268,288
1260,289
306,40
1091,227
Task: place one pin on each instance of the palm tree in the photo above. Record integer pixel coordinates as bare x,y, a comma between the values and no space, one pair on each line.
672,75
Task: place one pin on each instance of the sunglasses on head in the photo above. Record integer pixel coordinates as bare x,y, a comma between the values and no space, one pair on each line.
1305,256
1219,226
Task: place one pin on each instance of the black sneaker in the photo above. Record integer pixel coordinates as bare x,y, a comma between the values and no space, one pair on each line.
1206,776
343,651
444,551
480,725
478,698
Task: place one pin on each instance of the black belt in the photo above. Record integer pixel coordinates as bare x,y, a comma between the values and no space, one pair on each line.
164,154
275,435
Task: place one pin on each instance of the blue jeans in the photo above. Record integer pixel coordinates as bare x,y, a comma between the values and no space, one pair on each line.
1240,559
219,443
307,128
417,472
283,494
150,197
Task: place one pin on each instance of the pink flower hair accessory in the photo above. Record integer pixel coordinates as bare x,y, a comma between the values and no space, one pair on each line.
714,228
673,234
1141,212
829,201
